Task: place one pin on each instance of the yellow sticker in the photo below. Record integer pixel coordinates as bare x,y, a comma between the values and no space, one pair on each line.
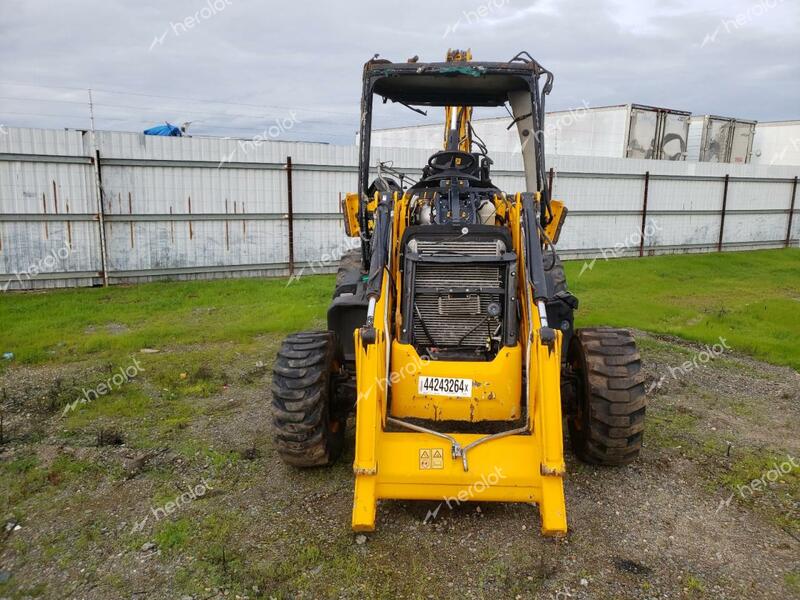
437,458
424,458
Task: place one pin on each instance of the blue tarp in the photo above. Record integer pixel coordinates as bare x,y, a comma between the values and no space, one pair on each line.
166,129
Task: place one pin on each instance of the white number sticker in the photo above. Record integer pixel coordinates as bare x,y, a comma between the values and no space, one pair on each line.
445,386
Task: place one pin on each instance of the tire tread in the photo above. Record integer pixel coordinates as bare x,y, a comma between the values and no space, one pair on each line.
614,427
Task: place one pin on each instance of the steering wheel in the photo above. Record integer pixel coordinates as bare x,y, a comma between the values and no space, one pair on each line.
452,160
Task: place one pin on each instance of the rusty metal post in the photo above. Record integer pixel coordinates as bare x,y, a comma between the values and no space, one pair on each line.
644,212
550,181
791,213
101,220
98,182
290,213
722,218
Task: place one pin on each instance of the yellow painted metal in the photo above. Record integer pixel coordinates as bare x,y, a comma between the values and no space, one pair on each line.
390,464
399,224
517,468
496,387
373,203
398,464
500,209
464,113
371,383
553,229
350,210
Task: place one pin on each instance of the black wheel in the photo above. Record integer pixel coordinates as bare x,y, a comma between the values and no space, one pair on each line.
308,428
606,398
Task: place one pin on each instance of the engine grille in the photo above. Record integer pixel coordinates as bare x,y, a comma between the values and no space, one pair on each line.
468,247
460,305
453,298
445,277
454,320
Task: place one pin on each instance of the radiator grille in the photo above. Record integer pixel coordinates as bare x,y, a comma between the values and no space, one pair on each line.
460,305
468,247
444,277
454,328
453,298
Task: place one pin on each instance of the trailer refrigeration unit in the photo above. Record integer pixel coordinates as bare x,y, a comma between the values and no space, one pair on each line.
720,139
626,130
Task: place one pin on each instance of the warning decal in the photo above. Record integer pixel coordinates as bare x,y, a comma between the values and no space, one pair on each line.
431,458
424,458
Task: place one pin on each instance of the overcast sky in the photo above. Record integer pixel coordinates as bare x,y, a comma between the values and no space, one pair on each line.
259,61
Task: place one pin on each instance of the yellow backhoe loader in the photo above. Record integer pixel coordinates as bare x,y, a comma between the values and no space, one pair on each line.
450,333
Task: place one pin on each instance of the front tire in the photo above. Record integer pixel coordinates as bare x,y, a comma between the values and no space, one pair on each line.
606,400
308,431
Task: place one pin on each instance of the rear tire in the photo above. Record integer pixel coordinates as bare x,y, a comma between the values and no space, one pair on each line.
606,399
308,431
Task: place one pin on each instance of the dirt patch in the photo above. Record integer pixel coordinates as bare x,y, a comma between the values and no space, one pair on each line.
101,517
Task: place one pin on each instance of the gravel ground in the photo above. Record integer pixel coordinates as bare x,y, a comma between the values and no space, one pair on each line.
668,526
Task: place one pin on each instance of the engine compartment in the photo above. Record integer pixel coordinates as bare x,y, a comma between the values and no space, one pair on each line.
459,291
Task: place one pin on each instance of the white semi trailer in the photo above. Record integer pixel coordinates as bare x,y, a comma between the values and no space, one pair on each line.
720,139
627,130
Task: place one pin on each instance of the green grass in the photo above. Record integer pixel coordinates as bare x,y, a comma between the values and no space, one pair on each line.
777,491
217,334
671,428
749,298
694,584
24,477
66,325
173,535
792,581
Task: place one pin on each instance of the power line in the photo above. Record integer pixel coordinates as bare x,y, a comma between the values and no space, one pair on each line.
182,99
158,109
30,114
252,130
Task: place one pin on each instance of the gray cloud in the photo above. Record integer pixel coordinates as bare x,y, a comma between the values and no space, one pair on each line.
307,57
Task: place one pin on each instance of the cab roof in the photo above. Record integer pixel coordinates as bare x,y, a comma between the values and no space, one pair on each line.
450,83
